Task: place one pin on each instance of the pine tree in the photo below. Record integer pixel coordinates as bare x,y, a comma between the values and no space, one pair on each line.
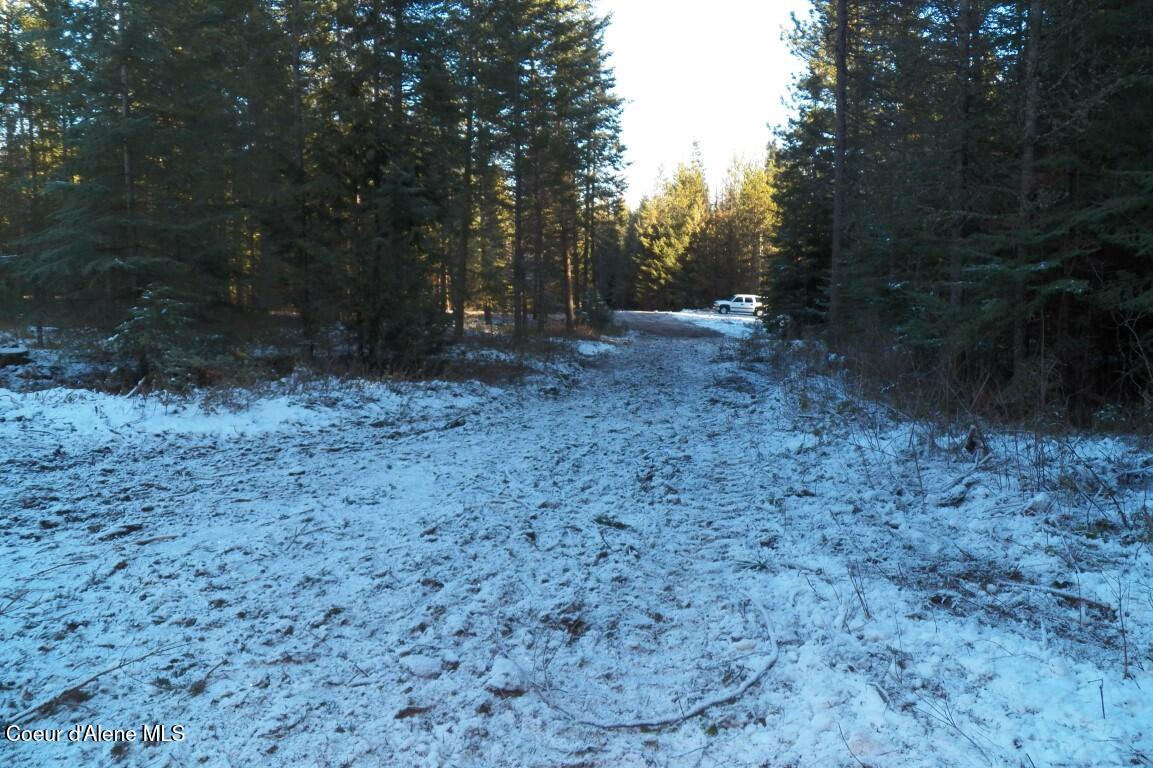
666,225
366,163
990,148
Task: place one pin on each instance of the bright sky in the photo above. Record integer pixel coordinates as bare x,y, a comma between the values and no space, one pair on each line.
713,71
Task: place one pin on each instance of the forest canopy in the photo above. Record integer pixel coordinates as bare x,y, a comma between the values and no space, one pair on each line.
996,183
962,199
172,170
962,202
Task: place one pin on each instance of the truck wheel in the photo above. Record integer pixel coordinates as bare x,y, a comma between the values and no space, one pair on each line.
724,310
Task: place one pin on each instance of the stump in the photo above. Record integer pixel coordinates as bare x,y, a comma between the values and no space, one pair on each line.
14,356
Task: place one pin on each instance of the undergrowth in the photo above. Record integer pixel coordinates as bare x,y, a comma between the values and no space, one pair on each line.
1106,477
124,363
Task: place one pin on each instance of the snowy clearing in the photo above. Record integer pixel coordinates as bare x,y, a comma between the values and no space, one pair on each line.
656,554
735,326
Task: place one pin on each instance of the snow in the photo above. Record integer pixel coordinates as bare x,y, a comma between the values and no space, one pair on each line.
742,557
595,348
735,326
318,403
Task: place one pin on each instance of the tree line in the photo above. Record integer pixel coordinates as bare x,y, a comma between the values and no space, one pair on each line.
965,193
177,171
962,201
963,197
686,245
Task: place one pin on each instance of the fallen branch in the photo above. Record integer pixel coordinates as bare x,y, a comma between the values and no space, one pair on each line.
726,697
13,598
199,686
155,540
50,704
280,731
54,567
851,752
944,714
1075,598
980,464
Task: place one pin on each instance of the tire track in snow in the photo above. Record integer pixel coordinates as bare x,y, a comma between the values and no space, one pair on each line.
353,594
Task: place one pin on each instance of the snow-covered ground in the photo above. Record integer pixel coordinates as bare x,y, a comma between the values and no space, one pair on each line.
736,326
656,554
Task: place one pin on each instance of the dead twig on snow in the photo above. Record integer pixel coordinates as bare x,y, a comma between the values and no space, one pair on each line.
50,704
726,697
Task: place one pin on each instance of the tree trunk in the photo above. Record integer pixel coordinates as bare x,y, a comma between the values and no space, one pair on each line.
304,295
460,278
567,279
1028,176
125,146
839,169
539,308
964,84
520,319
591,272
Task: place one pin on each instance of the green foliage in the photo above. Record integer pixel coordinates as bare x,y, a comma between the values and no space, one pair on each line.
728,254
598,314
666,225
685,251
999,197
160,338
354,164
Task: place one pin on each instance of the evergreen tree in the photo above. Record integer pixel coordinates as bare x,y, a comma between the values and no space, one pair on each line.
986,145
666,225
366,163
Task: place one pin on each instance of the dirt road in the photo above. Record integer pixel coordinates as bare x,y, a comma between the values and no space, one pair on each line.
521,578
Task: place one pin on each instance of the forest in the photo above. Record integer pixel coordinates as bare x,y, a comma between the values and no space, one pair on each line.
355,410
178,173
962,201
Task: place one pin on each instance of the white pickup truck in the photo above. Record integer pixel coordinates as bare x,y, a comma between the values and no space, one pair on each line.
742,302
